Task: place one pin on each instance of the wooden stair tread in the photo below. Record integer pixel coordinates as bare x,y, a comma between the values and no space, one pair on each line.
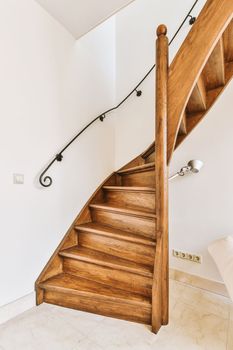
139,168
129,189
124,210
66,283
112,232
103,259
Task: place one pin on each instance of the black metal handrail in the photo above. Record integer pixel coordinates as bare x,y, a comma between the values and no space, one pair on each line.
47,180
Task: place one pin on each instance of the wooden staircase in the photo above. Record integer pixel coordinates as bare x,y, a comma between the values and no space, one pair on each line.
113,260
105,263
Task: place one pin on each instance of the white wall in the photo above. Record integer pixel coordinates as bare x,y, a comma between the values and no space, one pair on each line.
201,205
50,87
79,16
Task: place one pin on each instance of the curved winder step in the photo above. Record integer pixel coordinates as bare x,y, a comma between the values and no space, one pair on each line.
82,294
108,269
137,197
124,218
141,175
137,169
129,189
115,242
124,210
99,258
107,231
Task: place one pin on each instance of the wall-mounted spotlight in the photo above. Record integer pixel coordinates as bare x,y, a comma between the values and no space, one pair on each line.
193,166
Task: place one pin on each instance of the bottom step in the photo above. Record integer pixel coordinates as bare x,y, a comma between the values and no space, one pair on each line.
85,295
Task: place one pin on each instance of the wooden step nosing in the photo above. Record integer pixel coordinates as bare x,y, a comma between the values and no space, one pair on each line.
89,294
108,264
137,169
136,240
124,211
129,189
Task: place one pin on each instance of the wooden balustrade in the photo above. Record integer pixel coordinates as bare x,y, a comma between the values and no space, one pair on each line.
190,60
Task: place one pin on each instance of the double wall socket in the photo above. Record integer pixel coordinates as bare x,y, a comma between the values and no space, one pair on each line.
187,256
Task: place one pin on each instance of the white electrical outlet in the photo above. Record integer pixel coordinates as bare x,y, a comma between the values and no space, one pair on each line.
176,253
197,259
187,256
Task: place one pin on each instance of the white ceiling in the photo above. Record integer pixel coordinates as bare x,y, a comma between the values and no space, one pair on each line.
80,16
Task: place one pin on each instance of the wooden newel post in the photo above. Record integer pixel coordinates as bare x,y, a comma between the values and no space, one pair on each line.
160,293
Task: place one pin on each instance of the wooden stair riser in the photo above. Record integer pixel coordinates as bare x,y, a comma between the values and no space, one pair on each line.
228,43
183,125
131,198
105,308
139,253
214,71
197,101
149,154
145,179
150,158
109,276
139,225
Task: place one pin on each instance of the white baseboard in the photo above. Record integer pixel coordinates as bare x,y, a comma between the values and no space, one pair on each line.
17,307
199,282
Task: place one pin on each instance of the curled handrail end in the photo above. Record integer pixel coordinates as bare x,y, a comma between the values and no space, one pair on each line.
47,179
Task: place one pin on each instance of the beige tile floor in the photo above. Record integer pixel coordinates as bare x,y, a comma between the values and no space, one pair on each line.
198,320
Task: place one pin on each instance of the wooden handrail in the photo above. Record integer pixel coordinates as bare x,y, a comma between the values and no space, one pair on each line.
160,280
190,60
